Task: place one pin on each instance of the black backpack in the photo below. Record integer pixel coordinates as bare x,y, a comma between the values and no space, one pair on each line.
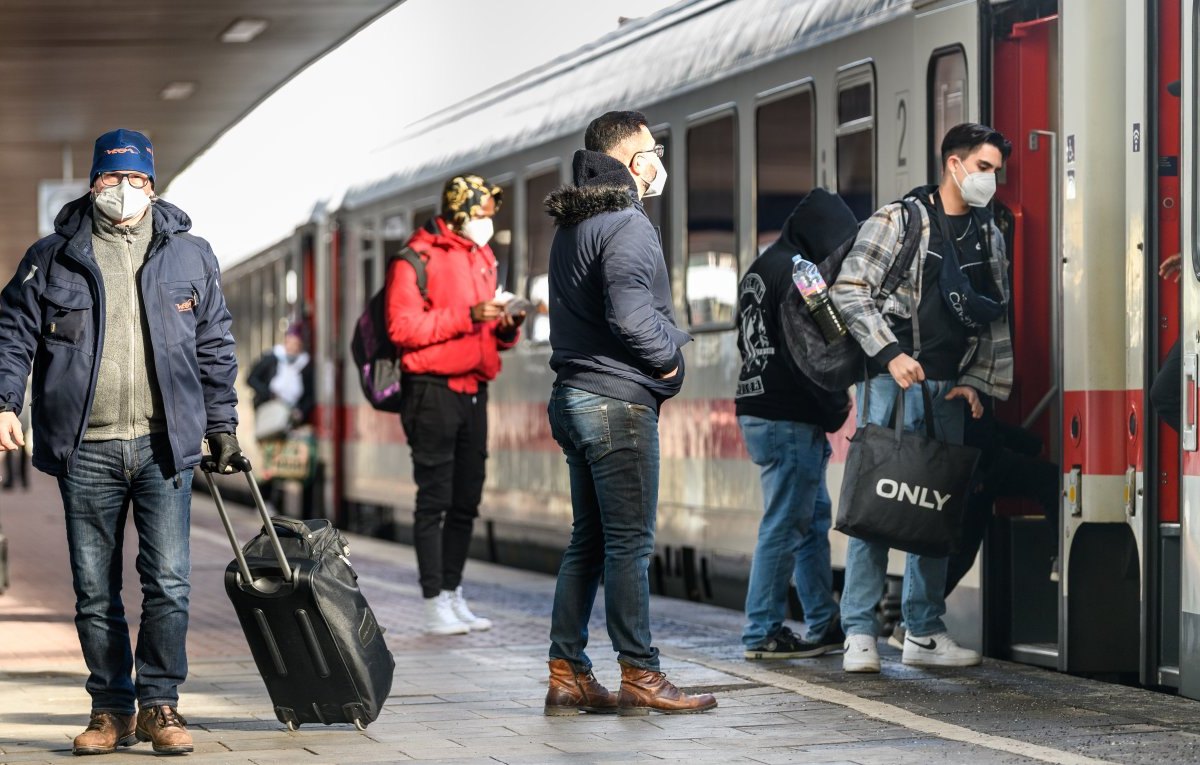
376,357
840,366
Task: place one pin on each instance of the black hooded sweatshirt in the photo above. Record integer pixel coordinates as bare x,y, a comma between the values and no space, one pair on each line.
612,325
769,384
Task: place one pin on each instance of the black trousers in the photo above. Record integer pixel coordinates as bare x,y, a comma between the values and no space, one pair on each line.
447,434
1012,469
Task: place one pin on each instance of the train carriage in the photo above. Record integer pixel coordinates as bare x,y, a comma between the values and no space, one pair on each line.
757,102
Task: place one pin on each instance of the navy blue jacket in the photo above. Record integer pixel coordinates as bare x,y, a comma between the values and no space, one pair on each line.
612,325
52,315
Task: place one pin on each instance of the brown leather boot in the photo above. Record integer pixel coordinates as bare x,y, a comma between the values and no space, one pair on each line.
643,690
105,732
163,727
571,692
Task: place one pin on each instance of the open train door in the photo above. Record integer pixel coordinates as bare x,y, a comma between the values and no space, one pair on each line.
1022,614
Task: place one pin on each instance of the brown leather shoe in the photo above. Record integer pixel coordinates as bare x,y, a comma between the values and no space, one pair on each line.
163,726
572,692
105,732
643,690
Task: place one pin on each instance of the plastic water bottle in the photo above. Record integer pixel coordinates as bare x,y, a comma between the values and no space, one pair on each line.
815,292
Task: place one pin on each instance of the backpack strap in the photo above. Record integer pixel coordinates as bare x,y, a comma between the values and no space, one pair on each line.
909,244
414,259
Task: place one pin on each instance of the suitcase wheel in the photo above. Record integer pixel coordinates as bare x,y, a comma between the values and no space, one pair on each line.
358,723
292,726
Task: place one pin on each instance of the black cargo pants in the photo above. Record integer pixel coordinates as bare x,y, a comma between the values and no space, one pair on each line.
447,434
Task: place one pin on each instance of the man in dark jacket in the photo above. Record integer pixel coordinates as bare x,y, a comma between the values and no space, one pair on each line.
122,309
617,355
784,418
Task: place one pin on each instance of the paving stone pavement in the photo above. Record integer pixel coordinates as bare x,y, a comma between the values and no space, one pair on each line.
477,698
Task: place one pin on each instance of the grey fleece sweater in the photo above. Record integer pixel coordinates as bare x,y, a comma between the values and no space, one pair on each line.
128,403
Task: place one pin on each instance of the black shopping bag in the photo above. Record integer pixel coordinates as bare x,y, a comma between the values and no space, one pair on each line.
905,490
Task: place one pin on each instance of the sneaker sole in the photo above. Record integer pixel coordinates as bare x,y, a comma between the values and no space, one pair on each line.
640,711
861,669
759,655
444,632
896,643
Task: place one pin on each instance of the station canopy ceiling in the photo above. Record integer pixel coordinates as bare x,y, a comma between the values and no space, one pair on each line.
183,71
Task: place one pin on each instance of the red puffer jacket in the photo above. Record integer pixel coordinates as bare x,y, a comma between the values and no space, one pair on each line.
438,337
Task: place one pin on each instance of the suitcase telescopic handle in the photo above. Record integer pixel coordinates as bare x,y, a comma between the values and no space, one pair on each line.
208,465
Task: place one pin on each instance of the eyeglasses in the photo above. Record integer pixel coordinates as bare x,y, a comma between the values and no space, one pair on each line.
136,180
658,150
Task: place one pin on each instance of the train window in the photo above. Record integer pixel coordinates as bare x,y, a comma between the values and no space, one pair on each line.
947,101
658,209
856,142
502,241
539,234
784,159
712,259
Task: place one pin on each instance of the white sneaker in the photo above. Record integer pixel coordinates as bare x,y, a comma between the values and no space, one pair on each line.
896,639
458,604
861,654
440,618
937,651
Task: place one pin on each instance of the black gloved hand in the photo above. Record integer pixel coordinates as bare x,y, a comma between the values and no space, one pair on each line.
228,455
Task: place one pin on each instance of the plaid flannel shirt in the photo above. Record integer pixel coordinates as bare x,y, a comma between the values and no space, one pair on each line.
987,365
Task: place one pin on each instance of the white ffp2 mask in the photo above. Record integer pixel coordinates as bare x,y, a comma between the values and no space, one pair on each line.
660,179
479,230
977,189
121,202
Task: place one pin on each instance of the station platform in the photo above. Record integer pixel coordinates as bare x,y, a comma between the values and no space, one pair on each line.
477,698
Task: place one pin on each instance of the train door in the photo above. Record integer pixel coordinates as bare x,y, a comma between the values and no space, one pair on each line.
1022,615
1155,506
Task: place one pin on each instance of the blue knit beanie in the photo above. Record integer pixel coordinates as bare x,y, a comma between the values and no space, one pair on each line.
123,151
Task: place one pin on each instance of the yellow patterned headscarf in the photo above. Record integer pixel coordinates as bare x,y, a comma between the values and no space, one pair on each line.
464,195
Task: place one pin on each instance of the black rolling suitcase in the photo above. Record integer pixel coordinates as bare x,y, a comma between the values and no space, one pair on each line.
313,636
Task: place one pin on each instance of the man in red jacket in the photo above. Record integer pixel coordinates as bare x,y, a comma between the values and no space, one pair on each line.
451,339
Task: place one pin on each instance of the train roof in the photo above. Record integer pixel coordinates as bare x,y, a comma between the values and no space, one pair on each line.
680,48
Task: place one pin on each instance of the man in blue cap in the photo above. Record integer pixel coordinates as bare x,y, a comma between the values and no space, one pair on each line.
120,314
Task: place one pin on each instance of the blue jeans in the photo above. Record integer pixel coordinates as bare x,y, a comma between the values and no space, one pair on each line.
612,454
793,536
110,477
923,600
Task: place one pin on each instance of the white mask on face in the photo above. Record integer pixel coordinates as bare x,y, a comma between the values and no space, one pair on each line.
479,230
660,178
977,189
121,202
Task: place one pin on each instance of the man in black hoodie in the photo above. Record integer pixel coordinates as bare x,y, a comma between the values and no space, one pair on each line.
784,418
616,352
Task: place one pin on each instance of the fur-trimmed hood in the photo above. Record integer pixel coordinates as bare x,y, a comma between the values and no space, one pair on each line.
602,184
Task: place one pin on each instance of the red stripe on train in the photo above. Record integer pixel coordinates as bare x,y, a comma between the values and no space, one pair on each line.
1097,432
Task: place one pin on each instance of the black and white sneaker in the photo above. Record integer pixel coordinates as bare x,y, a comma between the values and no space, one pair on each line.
833,639
785,644
937,651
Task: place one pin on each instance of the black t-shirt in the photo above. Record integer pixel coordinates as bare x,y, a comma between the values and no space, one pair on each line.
944,338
